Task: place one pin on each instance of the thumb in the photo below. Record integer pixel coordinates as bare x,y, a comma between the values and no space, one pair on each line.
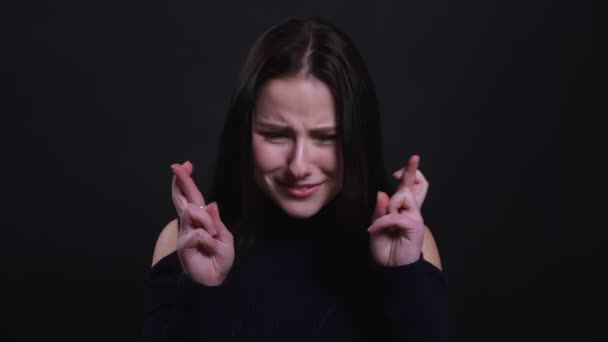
382,201
214,212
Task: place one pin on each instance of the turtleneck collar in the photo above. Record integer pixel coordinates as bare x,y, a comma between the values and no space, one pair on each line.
275,223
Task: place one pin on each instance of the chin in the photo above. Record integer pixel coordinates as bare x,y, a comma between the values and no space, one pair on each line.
300,210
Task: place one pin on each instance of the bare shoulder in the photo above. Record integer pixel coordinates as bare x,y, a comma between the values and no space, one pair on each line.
430,252
166,243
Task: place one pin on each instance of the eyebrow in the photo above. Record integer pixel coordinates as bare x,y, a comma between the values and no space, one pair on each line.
275,127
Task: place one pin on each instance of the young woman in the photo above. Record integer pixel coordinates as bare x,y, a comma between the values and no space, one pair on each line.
301,238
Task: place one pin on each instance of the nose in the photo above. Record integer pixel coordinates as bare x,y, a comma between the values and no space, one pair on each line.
299,164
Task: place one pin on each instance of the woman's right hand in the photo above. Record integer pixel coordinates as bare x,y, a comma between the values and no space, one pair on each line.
204,245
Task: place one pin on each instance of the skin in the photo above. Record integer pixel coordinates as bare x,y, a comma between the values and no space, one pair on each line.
205,246
294,142
398,230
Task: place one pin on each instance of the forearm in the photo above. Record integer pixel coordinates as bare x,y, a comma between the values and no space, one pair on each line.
415,302
175,307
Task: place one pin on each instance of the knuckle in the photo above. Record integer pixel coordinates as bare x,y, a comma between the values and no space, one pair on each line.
188,209
199,234
184,239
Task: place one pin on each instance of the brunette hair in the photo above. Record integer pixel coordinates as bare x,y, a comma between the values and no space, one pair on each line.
311,47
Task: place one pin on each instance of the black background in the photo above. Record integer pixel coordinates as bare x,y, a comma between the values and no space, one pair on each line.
100,98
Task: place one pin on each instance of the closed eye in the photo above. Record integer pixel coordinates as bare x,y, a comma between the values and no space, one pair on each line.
273,135
327,137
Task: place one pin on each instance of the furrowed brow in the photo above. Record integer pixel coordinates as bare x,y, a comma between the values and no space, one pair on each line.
324,130
276,127
269,125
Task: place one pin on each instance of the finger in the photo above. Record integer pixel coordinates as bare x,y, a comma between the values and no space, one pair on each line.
403,199
188,167
409,173
397,174
223,234
418,179
381,205
186,185
186,222
392,222
199,218
198,238
179,200
421,187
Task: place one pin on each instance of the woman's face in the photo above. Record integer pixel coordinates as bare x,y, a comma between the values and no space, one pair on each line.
297,157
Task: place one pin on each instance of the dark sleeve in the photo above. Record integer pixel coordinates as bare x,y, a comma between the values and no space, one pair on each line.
176,308
415,302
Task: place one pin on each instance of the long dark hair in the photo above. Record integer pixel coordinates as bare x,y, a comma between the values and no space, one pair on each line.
308,46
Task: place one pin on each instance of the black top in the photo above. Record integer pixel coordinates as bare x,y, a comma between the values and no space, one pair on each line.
288,288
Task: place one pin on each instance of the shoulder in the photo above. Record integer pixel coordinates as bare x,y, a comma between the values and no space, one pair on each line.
430,252
166,242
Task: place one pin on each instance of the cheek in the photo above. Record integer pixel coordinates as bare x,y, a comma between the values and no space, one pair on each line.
331,162
266,157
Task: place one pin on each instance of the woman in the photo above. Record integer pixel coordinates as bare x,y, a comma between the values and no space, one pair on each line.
298,239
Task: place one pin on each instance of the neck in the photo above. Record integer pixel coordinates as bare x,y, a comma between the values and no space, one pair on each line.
274,222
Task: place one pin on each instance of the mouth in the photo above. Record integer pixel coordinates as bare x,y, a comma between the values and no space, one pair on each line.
301,190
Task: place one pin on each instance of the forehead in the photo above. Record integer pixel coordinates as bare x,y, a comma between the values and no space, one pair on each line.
295,100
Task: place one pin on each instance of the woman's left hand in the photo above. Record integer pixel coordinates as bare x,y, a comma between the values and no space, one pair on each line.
397,228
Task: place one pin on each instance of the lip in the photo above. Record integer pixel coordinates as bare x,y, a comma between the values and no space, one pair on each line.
301,190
